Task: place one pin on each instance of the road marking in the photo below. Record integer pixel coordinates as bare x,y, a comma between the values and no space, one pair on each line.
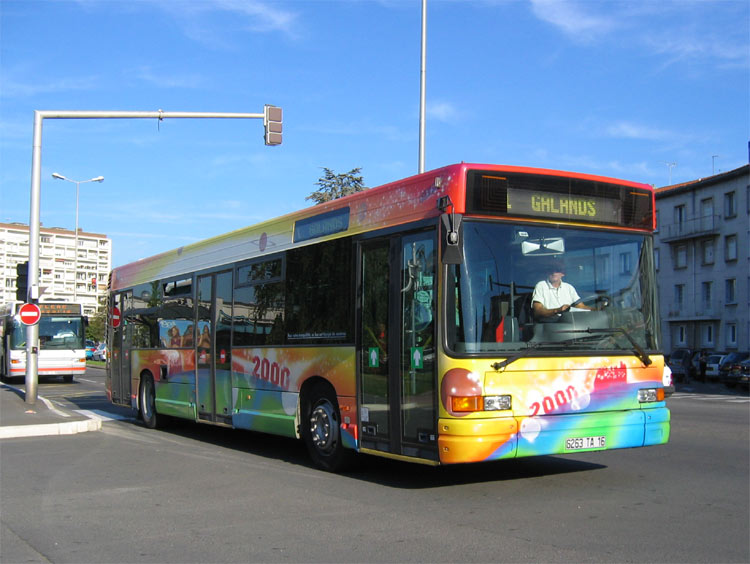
51,407
90,381
710,397
102,415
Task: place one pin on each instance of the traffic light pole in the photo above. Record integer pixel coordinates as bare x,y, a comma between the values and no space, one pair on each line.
32,331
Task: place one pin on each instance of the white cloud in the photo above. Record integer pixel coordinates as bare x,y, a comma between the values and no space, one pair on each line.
254,16
630,130
678,30
573,18
262,16
13,88
442,111
165,80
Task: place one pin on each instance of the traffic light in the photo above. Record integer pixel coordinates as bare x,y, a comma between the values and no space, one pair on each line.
22,281
272,121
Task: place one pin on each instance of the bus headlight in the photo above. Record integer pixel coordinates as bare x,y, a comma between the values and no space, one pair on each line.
649,395
497,403
465,404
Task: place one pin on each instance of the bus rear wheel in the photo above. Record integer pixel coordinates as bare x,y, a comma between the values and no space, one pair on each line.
147,398
321,430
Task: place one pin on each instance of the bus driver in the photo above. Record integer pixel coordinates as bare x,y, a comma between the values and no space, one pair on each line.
552,296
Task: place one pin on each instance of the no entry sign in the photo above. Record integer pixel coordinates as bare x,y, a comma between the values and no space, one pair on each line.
115,317
30,314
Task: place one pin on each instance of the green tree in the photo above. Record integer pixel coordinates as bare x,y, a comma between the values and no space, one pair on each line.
98,323
334,186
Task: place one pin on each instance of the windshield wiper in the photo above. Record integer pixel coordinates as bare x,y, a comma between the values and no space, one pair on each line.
530,346
640,353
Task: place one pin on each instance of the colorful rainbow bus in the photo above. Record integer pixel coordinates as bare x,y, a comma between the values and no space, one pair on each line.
398,321
62,334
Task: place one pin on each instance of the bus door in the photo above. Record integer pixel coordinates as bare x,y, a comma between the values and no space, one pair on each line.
119,355
213,347
397,332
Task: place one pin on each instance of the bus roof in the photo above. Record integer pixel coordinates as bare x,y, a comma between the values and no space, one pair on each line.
410,199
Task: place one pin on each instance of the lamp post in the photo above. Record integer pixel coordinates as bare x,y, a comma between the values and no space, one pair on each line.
75,251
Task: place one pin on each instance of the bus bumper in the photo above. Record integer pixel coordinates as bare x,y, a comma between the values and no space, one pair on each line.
477,440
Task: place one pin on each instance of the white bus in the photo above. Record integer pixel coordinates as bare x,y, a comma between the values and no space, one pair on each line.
62,334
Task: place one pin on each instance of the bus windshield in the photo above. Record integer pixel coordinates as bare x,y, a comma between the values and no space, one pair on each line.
490,293
55,333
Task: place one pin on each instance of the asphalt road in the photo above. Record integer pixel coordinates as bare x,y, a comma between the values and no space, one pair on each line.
194,493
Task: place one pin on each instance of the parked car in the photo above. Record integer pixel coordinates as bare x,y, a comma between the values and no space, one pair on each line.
712,365
101,352
729,363
679,363
90,348
739,374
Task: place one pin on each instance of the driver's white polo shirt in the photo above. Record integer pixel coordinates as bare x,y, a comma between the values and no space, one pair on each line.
551,297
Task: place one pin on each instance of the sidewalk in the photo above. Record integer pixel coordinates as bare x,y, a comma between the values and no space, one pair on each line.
19,419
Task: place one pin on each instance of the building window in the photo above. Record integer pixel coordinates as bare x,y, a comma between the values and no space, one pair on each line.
680,336
708,335
679,295
625,263
730,205
707,248
707,291
656,259
679,216
730,247
731,334
680,258
730,291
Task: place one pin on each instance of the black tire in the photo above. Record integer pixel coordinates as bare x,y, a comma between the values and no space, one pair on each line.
147,397
68,378
321,430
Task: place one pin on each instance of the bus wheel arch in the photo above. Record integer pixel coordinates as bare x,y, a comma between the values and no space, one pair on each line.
320,426
147,401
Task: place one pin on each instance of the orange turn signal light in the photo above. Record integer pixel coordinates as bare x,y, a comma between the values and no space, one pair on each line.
463,404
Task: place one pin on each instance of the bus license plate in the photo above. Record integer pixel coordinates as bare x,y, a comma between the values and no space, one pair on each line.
582,443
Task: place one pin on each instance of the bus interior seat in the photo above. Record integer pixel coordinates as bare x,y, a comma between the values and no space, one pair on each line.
501,327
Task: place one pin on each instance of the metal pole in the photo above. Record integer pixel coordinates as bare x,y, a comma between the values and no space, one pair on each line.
75,250
32,295
32,331
422,86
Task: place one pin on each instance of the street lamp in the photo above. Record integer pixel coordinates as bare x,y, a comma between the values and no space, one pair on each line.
75,267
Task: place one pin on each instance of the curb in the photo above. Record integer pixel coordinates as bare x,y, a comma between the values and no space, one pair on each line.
70,428
92,423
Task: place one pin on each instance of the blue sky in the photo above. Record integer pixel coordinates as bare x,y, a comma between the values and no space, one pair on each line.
603,87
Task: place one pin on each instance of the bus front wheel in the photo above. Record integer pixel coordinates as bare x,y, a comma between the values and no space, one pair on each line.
148,403
321,430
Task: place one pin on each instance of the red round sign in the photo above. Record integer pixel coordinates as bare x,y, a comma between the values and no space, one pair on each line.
115,317
29,314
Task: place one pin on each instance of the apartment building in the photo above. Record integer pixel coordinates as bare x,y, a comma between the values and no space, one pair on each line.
702,253
63,276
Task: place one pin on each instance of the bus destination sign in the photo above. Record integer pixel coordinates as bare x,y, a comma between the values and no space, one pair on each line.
321,225
59,308
539,203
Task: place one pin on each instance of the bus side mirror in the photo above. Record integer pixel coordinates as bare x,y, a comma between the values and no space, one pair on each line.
452,237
